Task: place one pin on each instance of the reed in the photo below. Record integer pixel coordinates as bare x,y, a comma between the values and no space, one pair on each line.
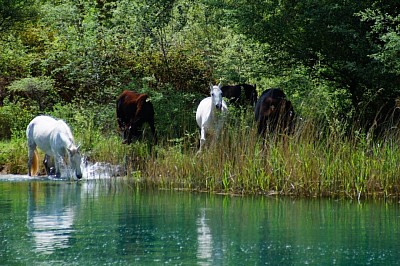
313,162
308,163
13,157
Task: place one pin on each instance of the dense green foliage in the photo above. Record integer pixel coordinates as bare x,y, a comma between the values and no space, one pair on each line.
350,44
338,62
14,14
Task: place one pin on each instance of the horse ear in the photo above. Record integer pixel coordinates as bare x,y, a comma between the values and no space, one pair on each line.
219,84
211,86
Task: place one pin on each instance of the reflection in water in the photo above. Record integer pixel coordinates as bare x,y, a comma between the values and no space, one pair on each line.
49,219
204,239
51,231
103,222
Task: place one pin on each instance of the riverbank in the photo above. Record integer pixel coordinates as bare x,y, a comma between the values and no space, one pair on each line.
306,164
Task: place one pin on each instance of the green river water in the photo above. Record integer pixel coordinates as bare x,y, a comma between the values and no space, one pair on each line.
108,222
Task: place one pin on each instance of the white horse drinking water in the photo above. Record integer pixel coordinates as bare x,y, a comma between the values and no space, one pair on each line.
55,139
208,113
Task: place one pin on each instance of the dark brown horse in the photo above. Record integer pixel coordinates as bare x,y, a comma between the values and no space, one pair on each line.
274,113
133,110
240,95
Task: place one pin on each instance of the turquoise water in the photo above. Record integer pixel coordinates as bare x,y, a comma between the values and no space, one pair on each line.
107,222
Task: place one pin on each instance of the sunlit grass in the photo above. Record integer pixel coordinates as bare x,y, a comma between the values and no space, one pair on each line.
299,165
13,157
313,162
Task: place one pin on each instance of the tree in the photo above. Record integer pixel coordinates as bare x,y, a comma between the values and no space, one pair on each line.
330,39
14,14
385,37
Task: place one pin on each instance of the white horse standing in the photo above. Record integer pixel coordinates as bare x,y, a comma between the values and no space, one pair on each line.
208,113
55,139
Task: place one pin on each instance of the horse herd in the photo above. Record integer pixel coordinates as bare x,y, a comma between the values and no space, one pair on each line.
272,113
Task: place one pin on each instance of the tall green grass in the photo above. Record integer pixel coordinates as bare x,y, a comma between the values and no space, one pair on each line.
306,164
13,157
313,162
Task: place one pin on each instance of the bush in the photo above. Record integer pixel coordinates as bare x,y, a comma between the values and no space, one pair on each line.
40,90
14,119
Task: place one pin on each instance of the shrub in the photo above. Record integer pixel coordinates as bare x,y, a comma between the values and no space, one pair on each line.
40,90
14,119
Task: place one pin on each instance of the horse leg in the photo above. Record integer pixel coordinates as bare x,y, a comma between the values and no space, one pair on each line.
30,158
262,126
202,138
48,162
58,159
125,135
45,163
131,133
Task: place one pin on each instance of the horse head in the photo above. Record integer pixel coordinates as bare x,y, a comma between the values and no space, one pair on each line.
216,95
76,159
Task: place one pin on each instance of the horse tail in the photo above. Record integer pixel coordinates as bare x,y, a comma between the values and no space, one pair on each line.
35,163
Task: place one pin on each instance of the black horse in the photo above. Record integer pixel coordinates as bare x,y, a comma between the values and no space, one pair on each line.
240,95
274,113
